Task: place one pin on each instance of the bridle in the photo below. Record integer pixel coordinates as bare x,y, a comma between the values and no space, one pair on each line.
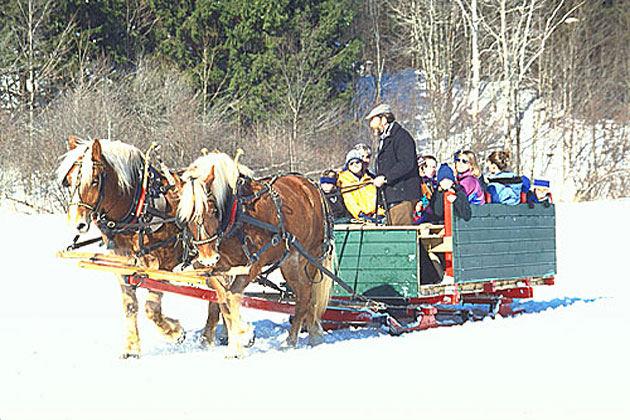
201,229
101,189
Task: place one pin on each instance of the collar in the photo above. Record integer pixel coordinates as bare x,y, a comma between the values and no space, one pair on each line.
464,174
388,130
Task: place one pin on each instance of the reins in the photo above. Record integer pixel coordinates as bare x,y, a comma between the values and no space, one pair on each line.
348,188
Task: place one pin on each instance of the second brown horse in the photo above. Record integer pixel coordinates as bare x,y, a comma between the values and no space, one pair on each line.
237,220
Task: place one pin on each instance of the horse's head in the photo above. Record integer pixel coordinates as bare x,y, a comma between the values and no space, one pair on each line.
204,190
83,172
199,211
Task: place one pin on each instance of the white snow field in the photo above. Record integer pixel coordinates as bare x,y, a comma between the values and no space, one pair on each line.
61,332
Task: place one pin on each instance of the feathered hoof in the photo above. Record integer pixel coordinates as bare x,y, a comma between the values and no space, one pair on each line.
206,343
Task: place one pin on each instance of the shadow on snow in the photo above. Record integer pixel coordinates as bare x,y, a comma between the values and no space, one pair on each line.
271,336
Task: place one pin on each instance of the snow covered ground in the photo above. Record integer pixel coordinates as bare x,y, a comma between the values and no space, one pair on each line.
61,331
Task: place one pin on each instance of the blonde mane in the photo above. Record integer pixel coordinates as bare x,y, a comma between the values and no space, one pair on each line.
126,160
194,195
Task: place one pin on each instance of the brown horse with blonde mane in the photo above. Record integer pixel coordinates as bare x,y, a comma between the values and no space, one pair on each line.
239,221
133,206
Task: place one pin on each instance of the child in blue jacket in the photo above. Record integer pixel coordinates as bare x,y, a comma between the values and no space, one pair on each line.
503,186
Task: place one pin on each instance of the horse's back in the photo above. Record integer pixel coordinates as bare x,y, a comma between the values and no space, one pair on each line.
303,207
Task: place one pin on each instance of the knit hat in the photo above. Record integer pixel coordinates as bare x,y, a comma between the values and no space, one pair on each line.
541,183
445,171
353,154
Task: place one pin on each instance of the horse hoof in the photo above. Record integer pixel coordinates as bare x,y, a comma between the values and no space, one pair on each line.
182,337
205,342
251,341
129,355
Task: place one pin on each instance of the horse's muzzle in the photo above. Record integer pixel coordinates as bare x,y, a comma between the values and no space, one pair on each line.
209,261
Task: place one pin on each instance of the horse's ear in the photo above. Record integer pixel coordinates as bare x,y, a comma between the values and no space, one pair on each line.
72,142
210,178
96,151
179,184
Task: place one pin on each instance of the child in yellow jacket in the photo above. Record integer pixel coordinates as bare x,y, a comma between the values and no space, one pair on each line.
359,194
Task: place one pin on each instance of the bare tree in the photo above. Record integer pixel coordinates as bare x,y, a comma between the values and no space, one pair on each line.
38,60
520,31
430,28
376,14
470,12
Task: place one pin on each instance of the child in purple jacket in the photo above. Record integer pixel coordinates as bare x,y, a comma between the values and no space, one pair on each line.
468,174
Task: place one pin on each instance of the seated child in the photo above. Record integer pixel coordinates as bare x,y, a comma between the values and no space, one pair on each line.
503,186
446,183
328,183
427,167
432,272
359,194
539,193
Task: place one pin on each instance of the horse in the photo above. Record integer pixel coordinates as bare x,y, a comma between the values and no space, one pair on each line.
236,220
133,205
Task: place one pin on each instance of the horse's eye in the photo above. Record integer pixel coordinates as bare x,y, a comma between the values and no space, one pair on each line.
65,183
95,182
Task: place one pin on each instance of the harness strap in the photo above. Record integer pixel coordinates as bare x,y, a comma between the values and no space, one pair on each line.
76,245
298,246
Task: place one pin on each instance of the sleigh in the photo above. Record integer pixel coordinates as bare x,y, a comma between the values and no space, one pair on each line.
499,255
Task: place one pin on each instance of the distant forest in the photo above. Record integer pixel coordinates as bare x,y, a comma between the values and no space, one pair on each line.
285,80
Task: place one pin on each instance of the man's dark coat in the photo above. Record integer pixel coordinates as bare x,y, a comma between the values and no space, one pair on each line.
396,160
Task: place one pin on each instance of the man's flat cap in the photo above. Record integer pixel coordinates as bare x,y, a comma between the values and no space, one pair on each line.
381,109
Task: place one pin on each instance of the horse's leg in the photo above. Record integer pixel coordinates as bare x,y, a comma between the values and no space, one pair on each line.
168,327
239,332
130,306
238,287
208,336
209,331
293,273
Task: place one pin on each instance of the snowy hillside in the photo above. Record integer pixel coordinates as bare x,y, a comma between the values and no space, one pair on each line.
61,332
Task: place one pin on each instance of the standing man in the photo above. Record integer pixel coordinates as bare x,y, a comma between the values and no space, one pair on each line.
396,166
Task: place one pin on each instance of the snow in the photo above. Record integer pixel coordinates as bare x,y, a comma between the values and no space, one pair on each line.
61,332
